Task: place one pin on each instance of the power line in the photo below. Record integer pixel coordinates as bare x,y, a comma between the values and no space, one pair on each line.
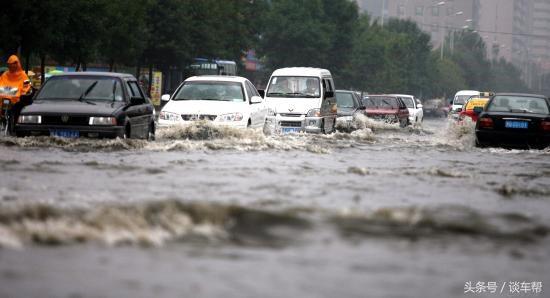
487,31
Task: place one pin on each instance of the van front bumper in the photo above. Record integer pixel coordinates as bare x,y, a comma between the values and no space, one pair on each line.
295,124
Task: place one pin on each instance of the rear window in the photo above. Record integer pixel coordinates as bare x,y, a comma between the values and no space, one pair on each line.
380,102
344,100
518,104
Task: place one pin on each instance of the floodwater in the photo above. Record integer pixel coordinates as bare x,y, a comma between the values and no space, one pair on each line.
218,212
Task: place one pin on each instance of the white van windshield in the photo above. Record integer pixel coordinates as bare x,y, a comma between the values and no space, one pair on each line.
461,99
287,86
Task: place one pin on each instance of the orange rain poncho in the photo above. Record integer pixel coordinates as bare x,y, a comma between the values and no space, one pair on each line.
15,78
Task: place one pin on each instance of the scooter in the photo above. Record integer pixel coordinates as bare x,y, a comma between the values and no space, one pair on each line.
9,97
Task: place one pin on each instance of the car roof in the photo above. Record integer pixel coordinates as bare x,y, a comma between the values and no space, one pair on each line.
521,94
216,78
95,73
467,92
301,71
403,95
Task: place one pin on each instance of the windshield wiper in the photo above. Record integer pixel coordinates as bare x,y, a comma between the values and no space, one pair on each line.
86,92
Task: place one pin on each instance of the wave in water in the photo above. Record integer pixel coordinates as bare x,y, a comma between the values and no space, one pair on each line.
155,223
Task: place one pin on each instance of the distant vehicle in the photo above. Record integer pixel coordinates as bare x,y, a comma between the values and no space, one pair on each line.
202,66
349,106
459,100
224,100
301,99
89,104
416,114
387,108
435,108
473,102
514,120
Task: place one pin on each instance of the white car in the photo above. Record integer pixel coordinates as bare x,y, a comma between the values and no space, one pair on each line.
225,100
458,101
416,114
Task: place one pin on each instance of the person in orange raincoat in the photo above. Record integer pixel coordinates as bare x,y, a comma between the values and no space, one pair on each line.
15,77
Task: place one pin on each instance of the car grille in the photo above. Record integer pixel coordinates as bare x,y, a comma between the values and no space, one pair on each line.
290,115
291,123
194,117
69,120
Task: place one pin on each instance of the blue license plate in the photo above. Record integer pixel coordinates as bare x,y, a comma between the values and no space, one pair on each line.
516,124
290,130
64,133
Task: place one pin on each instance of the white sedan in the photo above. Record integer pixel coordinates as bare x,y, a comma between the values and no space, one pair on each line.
416,114
225,100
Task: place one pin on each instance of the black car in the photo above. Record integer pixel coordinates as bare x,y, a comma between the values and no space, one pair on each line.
89,104
514,120
348,104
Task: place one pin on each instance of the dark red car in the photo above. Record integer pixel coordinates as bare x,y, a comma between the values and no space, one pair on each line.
388,108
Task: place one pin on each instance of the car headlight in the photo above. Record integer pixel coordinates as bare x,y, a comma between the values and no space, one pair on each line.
169,116
314,113
102,121
230,117
30,119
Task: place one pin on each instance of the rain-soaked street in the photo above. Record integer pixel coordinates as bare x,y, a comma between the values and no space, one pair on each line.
210,212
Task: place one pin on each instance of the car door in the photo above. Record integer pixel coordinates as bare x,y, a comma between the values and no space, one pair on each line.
139,114
258,111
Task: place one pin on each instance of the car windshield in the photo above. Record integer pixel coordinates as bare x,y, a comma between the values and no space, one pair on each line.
408,102
433,103
344,100
287,86
89,88
518,104
461,99
211,90
380,102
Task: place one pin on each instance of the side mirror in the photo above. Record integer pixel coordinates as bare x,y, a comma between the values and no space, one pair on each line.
329,94
255,99
262,93
459,110
165,97
478,110
362,108
136,100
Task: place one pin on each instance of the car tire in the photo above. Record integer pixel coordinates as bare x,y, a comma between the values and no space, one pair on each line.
403,123
323,131
151,132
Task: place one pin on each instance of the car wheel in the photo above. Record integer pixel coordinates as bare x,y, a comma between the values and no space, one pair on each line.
403,123
323,131
151,133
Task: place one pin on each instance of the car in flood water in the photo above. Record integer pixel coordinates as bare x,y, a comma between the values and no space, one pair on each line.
349,106
434,108
514,120
416,114
301,99
225,100
472,103
387,108
89,104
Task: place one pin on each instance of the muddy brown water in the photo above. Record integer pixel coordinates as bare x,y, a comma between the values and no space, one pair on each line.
217,212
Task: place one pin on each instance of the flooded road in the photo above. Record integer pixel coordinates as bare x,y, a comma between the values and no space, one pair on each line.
217,212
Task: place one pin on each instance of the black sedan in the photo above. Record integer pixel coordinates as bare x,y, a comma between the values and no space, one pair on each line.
349,106
514,120
89,104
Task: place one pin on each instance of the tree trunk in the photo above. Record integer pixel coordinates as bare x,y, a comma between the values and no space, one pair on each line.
42,69
150,80
111,65
84,66
27,61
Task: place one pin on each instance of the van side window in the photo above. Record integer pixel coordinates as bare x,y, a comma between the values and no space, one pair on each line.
327,85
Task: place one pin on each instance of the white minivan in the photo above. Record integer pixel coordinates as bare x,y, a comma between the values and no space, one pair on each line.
301,99
224,100
458,101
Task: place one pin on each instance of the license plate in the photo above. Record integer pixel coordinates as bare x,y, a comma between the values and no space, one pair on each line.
290,130
516,124
64,133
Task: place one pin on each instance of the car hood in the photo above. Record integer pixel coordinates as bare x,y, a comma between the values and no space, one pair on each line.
204,107
72,107
293,105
